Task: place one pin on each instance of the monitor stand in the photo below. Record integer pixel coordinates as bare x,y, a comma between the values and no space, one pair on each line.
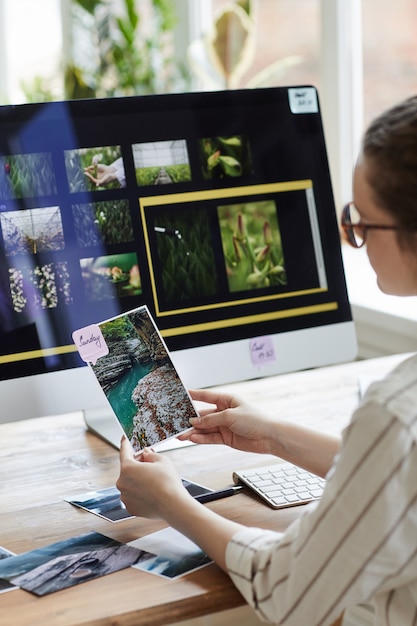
103,423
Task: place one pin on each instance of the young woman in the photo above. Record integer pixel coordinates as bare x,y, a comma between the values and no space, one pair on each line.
358,544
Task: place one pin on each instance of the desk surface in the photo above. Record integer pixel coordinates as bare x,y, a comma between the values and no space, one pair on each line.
43,460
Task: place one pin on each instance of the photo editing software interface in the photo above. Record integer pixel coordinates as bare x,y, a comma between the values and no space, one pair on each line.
213,209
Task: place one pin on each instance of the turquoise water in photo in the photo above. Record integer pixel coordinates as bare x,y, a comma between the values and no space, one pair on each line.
120,394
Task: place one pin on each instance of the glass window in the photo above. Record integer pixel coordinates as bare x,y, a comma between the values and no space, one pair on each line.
389,53
286,40
32,45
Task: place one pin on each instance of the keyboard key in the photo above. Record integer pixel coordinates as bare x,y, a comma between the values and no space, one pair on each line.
279,501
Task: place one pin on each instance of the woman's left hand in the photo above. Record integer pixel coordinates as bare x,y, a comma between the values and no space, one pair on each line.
148,483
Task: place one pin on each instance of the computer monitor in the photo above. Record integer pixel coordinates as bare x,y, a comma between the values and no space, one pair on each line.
213,209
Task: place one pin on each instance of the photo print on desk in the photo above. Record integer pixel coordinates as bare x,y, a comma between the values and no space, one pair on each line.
106,503
175,555
68,563
4,584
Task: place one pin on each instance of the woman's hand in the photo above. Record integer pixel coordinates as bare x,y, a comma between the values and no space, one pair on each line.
150,487
148,483
235,423
105,174
230,421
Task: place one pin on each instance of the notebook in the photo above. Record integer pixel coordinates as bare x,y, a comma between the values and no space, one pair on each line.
134,369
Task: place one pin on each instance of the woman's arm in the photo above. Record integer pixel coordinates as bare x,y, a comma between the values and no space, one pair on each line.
150,487
229,420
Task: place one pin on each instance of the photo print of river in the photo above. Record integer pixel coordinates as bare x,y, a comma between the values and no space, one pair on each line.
140,381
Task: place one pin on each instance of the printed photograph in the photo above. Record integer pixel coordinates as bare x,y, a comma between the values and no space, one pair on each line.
4,584
98,223
161,162
68,563
113,276
27,176
33,230
40,287
184,250
95,169
225,157
175,554
104,503
140,381
252,247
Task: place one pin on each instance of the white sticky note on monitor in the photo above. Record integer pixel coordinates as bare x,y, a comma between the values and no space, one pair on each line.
262,350
303,100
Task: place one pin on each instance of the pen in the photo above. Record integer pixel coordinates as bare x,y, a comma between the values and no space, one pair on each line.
217,495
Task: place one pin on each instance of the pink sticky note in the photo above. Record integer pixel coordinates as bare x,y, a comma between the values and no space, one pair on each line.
90,343
262,350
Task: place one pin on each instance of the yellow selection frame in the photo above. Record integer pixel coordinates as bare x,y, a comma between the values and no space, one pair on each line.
193,196
216,194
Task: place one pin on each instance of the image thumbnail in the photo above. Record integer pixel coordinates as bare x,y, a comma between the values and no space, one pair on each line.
40,286
113,276
252,248
106,222
144,391
104,503
161,162
27,176
32,230
95,169
225,157
175,554
69,562
185,253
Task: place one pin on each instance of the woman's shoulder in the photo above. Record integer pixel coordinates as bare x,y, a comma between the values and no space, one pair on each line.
397,392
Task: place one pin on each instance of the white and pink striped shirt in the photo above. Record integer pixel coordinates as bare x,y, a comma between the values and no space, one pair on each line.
359,543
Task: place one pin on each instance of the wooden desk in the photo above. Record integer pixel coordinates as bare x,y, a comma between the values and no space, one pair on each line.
43,460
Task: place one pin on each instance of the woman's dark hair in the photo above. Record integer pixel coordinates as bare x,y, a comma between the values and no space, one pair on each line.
390,148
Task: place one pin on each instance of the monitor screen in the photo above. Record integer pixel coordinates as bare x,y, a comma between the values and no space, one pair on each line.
213,209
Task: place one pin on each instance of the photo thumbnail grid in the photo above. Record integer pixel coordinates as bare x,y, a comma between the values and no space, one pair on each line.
104,223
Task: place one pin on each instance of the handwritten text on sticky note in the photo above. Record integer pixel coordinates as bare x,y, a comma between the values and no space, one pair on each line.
262,350
90,343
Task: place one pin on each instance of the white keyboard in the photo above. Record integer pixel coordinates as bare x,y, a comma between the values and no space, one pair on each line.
282,484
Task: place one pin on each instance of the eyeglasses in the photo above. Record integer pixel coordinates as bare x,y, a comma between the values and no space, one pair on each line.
355,230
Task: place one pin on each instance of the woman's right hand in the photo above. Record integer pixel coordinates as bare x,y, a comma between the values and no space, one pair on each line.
228,420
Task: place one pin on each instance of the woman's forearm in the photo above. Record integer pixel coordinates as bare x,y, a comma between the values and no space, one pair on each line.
206,528
308,448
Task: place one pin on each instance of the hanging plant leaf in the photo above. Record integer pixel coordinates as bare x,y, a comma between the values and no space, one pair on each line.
231,46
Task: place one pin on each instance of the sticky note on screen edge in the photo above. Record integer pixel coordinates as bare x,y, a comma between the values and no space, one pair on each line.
90,343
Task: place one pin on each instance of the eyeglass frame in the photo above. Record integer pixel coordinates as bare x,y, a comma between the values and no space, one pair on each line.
348,227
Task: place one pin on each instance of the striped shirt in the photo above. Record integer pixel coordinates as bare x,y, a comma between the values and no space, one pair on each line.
358,544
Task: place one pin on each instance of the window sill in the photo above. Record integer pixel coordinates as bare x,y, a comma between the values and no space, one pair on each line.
384,324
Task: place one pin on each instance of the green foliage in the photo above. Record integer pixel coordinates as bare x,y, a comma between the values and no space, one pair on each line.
89,5
133,58
38,90
131,61
146,175
252,246
117,329
188,264
77,160
26,175
106,222
225,157
177,173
